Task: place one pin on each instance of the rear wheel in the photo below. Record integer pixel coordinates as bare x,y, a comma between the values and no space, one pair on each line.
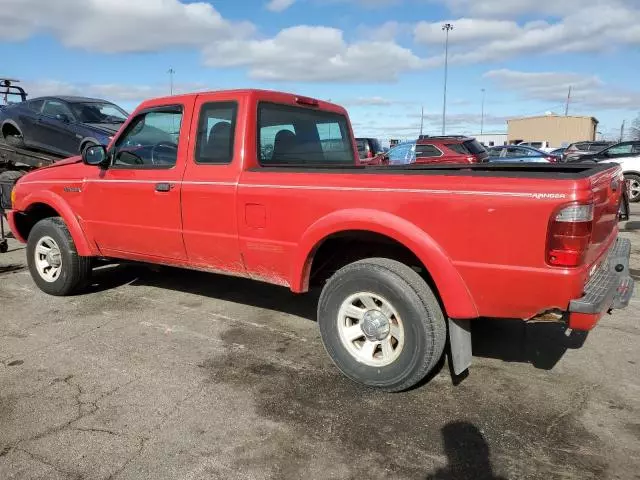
381,324
53,260
633,182
12,136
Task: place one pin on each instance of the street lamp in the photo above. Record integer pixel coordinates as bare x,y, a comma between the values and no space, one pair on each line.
447,27
482,115
171,72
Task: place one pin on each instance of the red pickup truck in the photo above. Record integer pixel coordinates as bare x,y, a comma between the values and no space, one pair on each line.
267,185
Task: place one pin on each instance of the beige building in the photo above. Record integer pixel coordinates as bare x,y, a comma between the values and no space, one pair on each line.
553,130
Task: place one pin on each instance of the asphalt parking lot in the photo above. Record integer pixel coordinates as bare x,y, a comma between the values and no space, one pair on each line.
184,375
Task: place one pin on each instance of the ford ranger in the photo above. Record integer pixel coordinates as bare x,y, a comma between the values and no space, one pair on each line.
267,185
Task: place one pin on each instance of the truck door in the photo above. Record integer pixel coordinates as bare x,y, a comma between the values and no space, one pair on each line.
133,207
209,188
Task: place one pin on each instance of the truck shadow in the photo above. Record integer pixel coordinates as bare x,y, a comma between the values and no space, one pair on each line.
220,287
540,344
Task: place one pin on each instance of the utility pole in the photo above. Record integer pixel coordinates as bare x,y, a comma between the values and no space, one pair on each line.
171,72
421,119
622,131
447,27
482,115
566,108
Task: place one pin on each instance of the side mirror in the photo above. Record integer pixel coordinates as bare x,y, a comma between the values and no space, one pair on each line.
96,155
63,117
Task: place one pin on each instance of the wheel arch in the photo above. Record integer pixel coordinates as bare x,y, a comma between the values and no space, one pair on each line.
450,286
44,204
11,122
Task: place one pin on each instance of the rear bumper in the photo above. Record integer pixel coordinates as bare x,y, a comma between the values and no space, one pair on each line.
610,287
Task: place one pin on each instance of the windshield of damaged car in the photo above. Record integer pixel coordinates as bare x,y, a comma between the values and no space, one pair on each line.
98,113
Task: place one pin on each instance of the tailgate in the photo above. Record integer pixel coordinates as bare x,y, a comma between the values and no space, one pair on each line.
607,188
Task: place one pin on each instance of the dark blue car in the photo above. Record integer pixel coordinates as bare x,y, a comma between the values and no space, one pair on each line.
60,125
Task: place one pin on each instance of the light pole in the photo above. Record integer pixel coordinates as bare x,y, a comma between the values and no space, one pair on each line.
447,27
171,71
482,114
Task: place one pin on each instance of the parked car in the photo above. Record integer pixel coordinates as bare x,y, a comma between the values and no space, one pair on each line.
402,154
449,149
627,154
60,125
368,147
520,153
558,152
542,146
578,149
400,254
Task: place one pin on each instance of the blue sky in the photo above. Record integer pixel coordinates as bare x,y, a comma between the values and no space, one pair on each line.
382,59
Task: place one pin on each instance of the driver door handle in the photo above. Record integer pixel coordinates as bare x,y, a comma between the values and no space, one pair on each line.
163,187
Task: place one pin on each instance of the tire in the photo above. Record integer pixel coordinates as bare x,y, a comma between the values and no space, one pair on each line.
417,318
634,187
74,271
14,140
8,178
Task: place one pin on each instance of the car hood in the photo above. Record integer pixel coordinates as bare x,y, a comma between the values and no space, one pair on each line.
105,128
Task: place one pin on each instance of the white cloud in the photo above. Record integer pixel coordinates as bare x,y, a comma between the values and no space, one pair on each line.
112,26
514,8
588,29
112,92
279,5
587,91
308,53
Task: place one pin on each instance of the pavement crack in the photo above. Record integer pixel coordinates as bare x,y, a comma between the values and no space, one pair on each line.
68,473
143,441
96,430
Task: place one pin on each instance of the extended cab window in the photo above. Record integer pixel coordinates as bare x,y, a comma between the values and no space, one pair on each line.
150,140
301,136
216,129
426,151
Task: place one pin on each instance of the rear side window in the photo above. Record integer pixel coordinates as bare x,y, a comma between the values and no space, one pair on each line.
35,105
290,135
423,151
458,148
361,145
216,128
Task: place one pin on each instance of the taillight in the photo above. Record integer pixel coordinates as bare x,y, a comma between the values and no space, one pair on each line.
569,235
552,159
471,159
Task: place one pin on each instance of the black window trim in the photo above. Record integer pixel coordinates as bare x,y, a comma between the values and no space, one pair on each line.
159,108
235,105
428,145
349,134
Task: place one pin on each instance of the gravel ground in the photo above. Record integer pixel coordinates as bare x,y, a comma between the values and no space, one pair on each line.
184,375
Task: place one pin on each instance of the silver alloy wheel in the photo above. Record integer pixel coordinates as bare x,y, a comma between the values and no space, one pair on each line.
634,189
370,329
48,259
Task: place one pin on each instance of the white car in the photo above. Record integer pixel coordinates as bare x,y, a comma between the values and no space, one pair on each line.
627,154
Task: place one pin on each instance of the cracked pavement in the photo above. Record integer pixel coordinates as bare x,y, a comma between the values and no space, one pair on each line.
185,375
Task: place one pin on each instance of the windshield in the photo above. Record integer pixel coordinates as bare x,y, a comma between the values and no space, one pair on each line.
98,113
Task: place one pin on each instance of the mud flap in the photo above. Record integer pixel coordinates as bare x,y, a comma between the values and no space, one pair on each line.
460,344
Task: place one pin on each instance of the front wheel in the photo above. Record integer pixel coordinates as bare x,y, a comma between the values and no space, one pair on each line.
381,324
53,260
633,182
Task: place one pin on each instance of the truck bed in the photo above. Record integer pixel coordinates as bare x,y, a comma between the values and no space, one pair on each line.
563,171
